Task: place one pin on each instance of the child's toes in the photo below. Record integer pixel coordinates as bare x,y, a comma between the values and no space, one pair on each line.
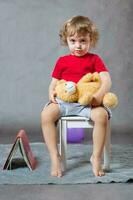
101,172
59,174
54,173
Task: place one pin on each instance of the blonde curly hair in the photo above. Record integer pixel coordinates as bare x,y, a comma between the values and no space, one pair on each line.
80,25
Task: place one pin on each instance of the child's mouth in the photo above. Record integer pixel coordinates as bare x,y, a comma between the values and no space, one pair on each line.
78,51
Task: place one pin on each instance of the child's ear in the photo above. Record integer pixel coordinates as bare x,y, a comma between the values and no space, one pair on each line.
91,43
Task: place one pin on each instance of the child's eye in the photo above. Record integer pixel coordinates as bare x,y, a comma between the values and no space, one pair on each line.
83,40
72,40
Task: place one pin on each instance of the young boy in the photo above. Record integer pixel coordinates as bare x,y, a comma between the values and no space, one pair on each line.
80,35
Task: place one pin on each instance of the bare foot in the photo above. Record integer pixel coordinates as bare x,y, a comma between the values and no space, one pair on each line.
56,166
96,166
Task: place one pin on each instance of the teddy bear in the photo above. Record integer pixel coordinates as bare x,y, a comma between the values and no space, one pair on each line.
83,91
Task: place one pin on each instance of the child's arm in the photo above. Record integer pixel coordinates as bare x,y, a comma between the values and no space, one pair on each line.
105,87
52,93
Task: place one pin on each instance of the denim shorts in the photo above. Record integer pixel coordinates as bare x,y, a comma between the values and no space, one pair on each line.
76,109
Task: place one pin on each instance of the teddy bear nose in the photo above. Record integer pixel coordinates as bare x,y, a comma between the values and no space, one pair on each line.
70,87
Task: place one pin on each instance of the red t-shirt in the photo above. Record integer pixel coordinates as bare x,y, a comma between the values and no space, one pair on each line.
72,68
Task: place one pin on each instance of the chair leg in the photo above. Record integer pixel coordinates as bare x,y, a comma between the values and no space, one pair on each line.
107,149
63,142
63,145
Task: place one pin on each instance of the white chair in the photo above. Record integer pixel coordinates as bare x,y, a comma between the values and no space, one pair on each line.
79,122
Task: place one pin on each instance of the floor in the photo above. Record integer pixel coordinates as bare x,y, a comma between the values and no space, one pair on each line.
72,192
64,192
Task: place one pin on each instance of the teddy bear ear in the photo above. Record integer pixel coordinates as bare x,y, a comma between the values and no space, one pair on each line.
60,82
96,76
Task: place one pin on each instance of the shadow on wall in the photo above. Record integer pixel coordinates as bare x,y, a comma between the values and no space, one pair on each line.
119,134
8,132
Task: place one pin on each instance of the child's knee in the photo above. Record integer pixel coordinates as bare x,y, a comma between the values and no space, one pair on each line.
100,115
50,115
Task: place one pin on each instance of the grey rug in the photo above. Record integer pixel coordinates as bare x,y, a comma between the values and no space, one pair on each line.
79,168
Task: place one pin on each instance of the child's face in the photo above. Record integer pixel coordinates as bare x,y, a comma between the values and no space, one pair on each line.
78,45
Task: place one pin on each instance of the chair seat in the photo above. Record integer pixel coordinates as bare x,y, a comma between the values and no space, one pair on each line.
77,122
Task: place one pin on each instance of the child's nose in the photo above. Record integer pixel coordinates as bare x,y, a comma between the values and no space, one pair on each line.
78,45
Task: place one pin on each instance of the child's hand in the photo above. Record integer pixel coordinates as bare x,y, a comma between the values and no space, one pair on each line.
52,96
96,100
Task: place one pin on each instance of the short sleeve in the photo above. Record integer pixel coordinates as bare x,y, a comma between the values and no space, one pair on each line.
99,65
57,70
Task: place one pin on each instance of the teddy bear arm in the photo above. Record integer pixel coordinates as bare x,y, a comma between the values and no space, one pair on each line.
86,78
85,99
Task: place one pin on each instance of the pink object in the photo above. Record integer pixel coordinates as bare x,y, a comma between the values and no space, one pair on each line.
22,140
